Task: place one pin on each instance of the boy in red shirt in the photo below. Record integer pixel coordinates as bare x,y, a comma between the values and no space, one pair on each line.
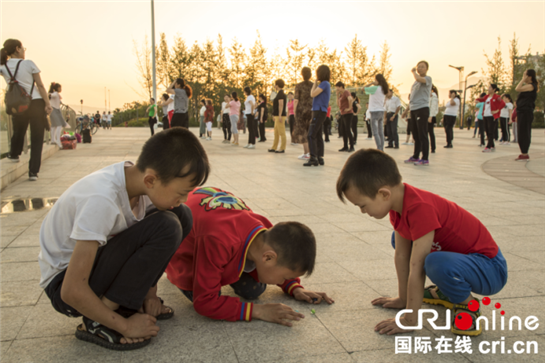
231,245
433,237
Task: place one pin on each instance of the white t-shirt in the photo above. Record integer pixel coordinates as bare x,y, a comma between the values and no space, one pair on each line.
224,108
367,114
203,109
55,99
171,105
24,74
247,104
376,100
487,110
505,110
452,110
95,208
392,104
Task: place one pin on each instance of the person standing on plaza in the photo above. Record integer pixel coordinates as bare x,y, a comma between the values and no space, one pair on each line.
209,118
327,123
279,116
344,103
302,105
202,125
249,108
291,117
226,122
432,120
27,74
479,107
449,118
526,103
492,107
110,117
420,113
234,114
356,107
513,122
166,100
262,115
97,118
152,115
104,120
368,121
392,107
377,91
57,120
182,93
505,116
321,93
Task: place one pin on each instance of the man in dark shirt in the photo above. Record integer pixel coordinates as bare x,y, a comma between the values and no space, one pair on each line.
279,116
344,101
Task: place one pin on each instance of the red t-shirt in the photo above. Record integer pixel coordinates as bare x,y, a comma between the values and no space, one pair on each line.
456,230
344,103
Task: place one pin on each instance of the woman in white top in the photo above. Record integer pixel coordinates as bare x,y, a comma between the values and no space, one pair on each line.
505,117
249,107
226,121
202,125
57,120
434,110
449,118
28,75
377,91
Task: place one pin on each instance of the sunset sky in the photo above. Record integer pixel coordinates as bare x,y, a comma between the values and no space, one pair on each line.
88,45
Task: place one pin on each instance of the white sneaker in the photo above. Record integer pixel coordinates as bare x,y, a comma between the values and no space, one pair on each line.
507,143
209,138
294,143
304,157
251,146
247,146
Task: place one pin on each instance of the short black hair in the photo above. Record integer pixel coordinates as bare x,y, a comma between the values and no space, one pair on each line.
339,84
169,152
323,73
290,93
280,83
306,73
368,170
247,90
426,63
295,245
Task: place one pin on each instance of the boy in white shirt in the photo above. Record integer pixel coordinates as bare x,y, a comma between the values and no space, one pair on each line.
110,236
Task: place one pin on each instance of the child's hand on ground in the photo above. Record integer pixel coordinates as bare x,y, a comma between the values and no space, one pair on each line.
389,302
311,296
276,313
390,327
140,327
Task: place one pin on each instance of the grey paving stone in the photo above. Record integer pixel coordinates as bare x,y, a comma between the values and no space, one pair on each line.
12,320
26,241
44,322
4,346
20,254
19,293
20,271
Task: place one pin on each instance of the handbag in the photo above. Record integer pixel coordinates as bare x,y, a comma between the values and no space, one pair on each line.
17,100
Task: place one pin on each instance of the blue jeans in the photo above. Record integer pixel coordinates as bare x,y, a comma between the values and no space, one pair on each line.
457,275
378,129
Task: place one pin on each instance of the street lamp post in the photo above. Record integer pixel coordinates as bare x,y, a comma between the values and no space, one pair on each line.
153,50
464,103
460,77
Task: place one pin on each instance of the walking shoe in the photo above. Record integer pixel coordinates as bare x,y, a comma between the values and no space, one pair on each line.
523,157
326,141
369,138
422,162
208,139
271,150
304,157
32,177
388,147
235,144
448,146
246,146
507,143
12,159
312,161
473,137
321,160
262,140
410,143
492,149
411,160
481,145
294,144
351,150
487,150
343,149
433,151
280,152
251,146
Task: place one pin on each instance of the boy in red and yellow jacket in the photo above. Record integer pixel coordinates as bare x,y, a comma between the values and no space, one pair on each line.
231,245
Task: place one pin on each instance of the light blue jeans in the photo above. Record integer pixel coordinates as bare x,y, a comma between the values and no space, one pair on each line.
234,122
377,126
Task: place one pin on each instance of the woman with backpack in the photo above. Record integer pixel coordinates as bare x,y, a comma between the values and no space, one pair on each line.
57,120
27,74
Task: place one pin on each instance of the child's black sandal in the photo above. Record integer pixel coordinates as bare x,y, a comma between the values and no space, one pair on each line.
100,335
165,316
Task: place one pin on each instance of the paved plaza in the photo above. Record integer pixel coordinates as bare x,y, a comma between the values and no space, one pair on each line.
354,263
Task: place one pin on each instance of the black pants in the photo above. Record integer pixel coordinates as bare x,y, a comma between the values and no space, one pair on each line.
504,124
327,128
524,123
246,287
489,127
262,130
369,131
482,131
469,123
252,129
449,122
420,132
496,132
431,132
165,122
226,126
133,261
152,121
354,127
291,122
346,122
393,140
36,117
315,138
409,127
180,120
